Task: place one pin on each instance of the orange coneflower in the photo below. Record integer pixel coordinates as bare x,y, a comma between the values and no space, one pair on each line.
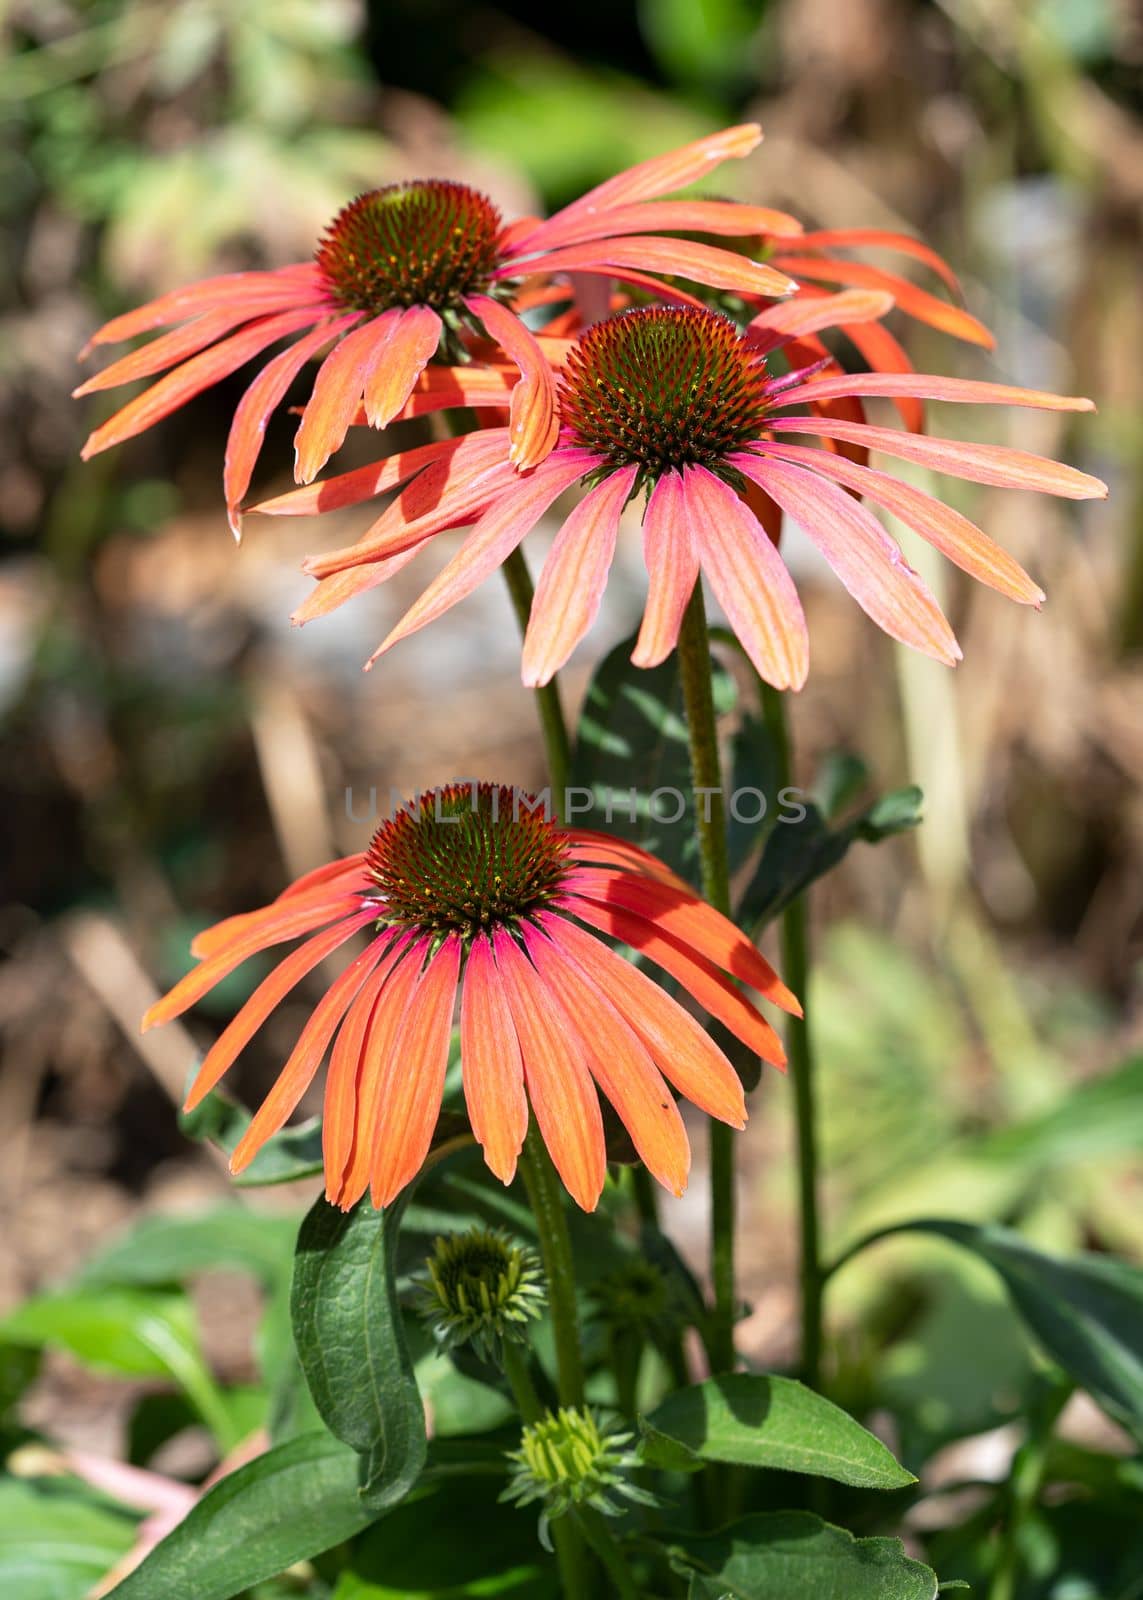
412,269
677,402
472,888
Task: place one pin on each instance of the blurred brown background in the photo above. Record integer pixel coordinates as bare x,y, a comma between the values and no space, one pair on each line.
172,751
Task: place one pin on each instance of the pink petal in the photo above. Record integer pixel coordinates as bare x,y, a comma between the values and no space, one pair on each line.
811,313
979,463
259,292
367,483
750,580
337,391
491,1064
727,217
703,263
926,386
672,570
916,302
574,577
533,423
862,554
410,343
882,239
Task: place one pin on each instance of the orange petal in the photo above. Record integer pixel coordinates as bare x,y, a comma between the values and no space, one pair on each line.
533,423
916,302
342,586
168,350
260,292
672,570
862,554
620,1063
491,1064
556,1074
574,577
587,845
414,1076
979,463
947,530
337,392
664,174
290,923
726,217
684,917
200,372
810,314
884,354
364,483
882,239
348,878
684,1051
701,978
927,386
411,342
750,580
270,992
702,263
342,1084
305,1058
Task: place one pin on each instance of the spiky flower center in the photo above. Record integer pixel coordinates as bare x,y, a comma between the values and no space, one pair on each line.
425,243
480,1287
664,387
467,858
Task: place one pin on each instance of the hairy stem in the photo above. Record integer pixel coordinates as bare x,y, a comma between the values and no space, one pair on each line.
555,1247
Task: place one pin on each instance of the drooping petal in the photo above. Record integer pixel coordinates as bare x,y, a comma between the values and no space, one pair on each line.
291,923
491,1064
533,423
494,538
885,354
574,577
253,412
384,1024
336,394
916,302
672,570
728,217
684,1051
261,292
812,313
305,1058
947,530
620,1064
691,921
750,580
415,1075
702,263
168,350
267,996
347,584
980,463
585,844
556,1074
713,990
342,1084
200,372
882,239
928,386
348,879
366,483
410,343
862,554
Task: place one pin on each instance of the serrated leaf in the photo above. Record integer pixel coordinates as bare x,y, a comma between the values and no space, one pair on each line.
294,1502
791,1555
1086,1311
757,1421
351,1343
631,743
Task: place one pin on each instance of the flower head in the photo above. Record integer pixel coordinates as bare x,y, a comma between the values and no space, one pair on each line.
678,403
481,1288
472,890
417,270
569,1458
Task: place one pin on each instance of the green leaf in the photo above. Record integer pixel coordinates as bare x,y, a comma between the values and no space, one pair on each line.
490,1548
799,851
758,1421
632,736
290,1504
294,1153
351,1343
137,1333
56,1540
1086,1311
1102,1117
790,1555
162,1250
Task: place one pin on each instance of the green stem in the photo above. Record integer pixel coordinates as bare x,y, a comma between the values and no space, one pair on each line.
795,971
555,1247
571,1557
603,1542
710,827
556,741
1024,1484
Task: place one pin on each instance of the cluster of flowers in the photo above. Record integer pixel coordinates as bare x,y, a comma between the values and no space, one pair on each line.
612,346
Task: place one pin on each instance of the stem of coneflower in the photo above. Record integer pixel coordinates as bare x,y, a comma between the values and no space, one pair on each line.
556,741
555,1247
795,971
602,1541
710,827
